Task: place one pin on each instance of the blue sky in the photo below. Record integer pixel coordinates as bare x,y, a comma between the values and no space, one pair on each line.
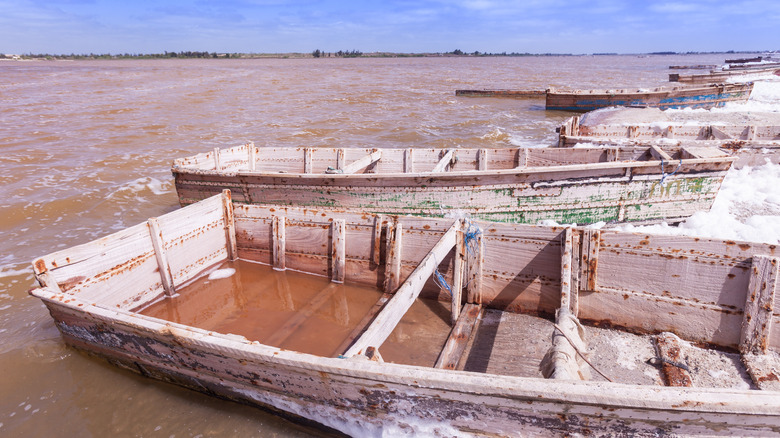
277,26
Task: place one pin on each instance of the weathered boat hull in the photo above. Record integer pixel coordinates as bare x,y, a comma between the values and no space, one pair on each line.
664,98
722,75
364,398
752,145
542,189
709,291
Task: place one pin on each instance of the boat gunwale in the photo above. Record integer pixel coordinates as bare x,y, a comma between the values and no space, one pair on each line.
601,165
581,393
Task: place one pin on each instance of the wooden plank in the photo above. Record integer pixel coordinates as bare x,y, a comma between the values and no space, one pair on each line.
759,306
522,158
574,304
300,317
307,153
217,164
395,309
362,163
409,161
362,325
459,337
482,159
566,262
589,259
339,248
162,259
393,257
659,154
230,225
340,158
671,359
445,161
457,276
379,220
750,133
474,264
252,156
279,243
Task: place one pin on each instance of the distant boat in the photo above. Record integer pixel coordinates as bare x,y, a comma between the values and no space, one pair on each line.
502,93
716,76
751,144
472,328
708,96
523,185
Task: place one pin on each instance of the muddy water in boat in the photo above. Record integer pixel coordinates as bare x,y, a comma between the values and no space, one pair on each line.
86,151
300,312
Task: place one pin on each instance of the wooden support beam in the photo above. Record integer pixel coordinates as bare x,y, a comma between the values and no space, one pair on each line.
759,306
409,161
457,275
589,259
279,243
393,257
671,359
482,159
360,163
230,225
363,324
166,277
633,131
340,160
474,262
251,156
379,221
522,157
574,303
459,337
399,304
217,164
300,317
566,262
750,133
338,244
307,152
659,154
446,159
718,134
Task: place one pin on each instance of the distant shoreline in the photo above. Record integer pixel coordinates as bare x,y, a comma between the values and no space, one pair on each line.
320,54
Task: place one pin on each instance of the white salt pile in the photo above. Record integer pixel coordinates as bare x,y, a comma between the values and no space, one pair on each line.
748,204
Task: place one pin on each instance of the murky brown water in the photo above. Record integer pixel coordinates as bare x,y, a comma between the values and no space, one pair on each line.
86,148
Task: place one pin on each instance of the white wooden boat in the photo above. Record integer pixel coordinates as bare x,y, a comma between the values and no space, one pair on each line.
486,343
701,96
526,185
752,145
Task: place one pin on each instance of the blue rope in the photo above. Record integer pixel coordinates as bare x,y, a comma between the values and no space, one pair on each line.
664,174
470,236
441,282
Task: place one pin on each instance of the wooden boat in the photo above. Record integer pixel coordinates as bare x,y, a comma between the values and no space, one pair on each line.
520,94
511,185
706,96
717,76
752,145
577,303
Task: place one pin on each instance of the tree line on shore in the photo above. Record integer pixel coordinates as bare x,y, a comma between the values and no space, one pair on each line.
314,54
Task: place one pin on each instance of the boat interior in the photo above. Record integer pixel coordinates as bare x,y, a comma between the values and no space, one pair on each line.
250,159
505,299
